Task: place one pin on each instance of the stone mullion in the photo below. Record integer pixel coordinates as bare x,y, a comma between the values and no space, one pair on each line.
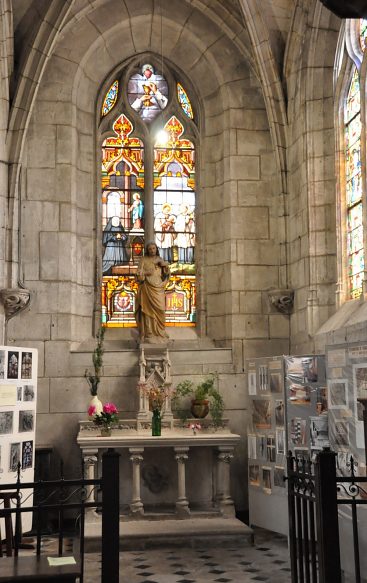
149,191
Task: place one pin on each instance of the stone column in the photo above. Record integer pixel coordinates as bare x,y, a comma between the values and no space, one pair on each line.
90,459
182,504
136,458
223,498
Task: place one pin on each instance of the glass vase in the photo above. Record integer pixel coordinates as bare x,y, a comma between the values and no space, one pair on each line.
156,423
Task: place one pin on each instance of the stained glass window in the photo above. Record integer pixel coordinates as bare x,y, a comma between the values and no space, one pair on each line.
110,98
184,101
174,219
363,33
147,92
122,222
353,130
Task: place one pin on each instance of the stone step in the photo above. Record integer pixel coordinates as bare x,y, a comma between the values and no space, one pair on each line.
189,532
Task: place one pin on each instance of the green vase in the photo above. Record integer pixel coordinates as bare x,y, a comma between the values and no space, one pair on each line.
156,423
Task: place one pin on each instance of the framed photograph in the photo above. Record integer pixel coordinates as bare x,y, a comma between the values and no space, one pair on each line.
27,454
2,364
298,433
302,454
279,475
314,453
360,380
261,447
293,366
26,421
28,393
254,474
338,394
279,413
26,366
263,377
13,365
251,379
251,443
280,441
275,382
266,479
343,463
270,448
6,422
261,413
319,431
299,394
321,401
19,393
309,365
14,457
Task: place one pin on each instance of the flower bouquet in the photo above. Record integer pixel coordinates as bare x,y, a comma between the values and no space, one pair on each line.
105,419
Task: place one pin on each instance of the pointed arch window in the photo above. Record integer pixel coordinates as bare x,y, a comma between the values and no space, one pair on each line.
148,193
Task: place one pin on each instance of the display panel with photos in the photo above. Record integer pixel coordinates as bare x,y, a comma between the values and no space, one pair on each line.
18,394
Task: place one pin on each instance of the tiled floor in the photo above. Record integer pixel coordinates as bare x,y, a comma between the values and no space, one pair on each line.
267,560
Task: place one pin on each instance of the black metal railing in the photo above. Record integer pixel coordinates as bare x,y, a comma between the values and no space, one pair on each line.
64,496
314,494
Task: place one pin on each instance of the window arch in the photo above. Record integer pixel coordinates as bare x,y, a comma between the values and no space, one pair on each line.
352,146
148,129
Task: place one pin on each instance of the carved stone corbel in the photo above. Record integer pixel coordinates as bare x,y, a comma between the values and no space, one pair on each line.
14,300
282,300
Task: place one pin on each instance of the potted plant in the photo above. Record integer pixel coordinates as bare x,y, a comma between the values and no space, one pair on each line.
94,378
105,418
205,397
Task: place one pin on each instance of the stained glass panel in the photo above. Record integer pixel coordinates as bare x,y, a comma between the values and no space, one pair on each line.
353,130
184,101
147,92
122,221
363,33
110,98
174,219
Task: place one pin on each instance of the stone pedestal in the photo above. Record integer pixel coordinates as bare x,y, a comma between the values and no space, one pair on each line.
136,458
182,504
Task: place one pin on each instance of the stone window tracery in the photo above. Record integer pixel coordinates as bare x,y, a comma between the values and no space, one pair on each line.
148,190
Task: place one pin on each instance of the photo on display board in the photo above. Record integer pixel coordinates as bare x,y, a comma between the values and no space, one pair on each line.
1,461
279,476
13,365
302,454
360,409
254,474
14,457
314,452
343,463
360,380
338,394
266,479
280,441
251,443
270,448
19,393
6,422
275,382
340,433
261,414
309,365
299,394
319,431
27,454
302,369
251,378
279,413
321,401
2,364
26,367
26,421
261,447
28,393
263,377
298,433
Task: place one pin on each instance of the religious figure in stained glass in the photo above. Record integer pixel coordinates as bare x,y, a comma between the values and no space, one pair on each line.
137,211
114,242
147,93
152,275
363,33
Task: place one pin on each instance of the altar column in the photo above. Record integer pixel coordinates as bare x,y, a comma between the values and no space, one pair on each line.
182,504
90,460
136,505
224,500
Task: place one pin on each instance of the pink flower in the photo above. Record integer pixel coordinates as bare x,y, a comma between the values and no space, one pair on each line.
91,410
109,408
